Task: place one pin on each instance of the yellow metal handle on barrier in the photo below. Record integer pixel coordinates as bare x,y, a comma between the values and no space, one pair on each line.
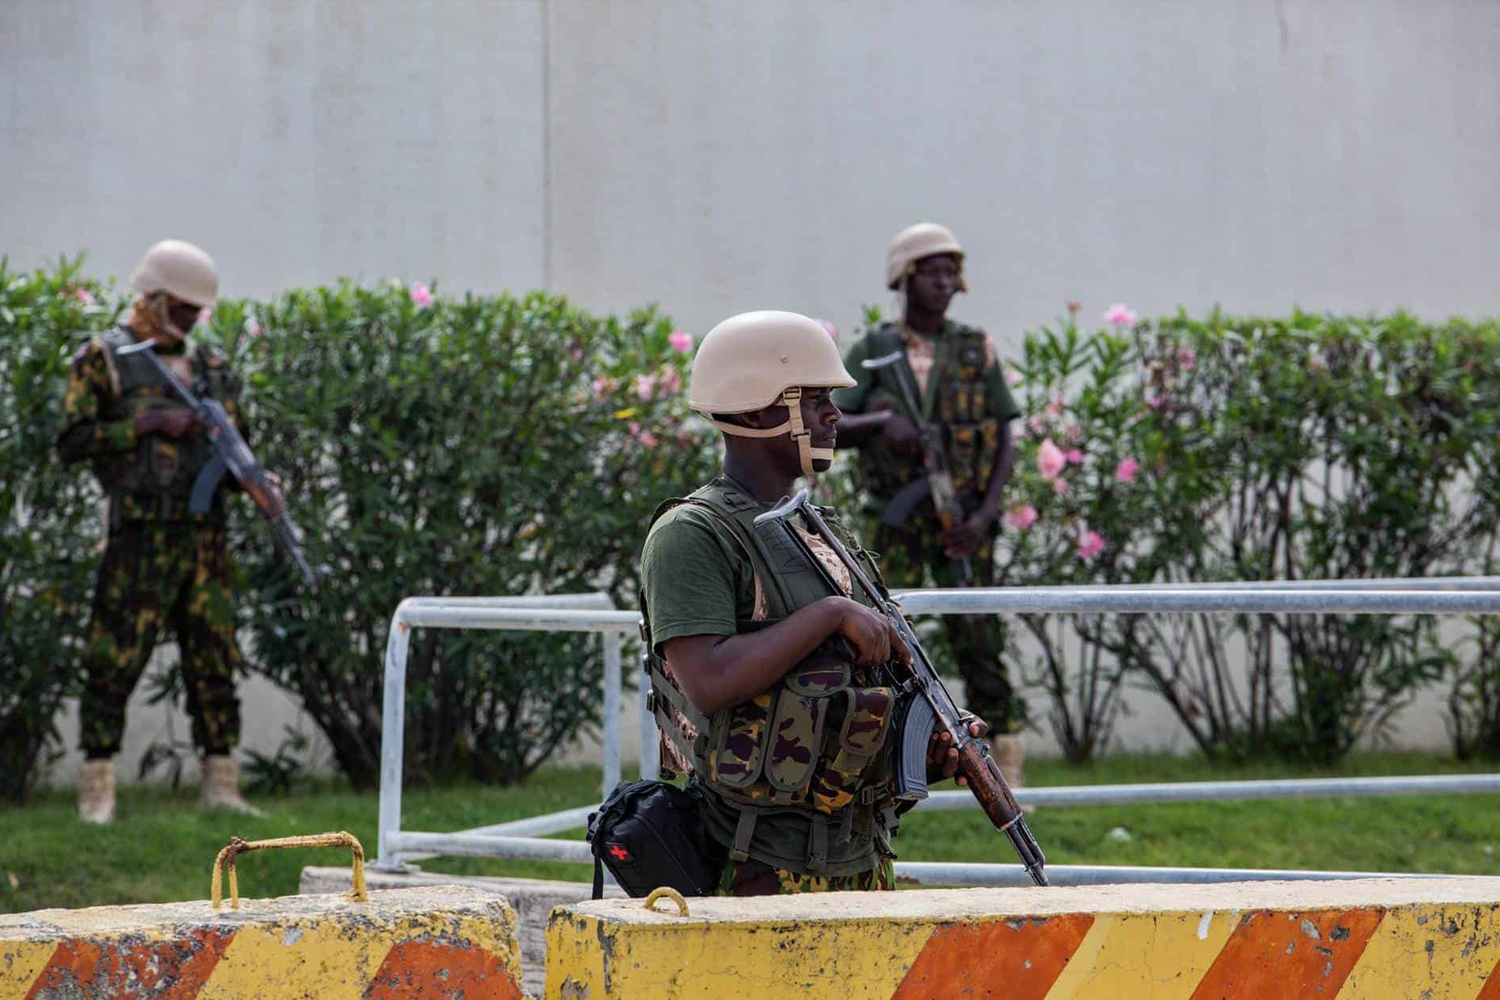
667,892
238,846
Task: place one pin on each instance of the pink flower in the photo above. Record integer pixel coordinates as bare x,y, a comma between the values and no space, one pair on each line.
256,330
1050,460
84,296
1075,456
1055,408
420,294
1126,470
1059,486
833,331
1186,359
602,387
645,437
1090,545
1035,423
1021,518
1162,402
645,386
1075,433
681,341
1012,377
1120,314
205,316
669,380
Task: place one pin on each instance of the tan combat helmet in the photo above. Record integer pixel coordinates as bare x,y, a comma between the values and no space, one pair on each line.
183,271
915,242
758,359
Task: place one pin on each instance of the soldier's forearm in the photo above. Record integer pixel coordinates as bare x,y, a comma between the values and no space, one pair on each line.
718,671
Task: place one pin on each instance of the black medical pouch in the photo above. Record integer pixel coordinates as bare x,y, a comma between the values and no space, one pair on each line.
650,834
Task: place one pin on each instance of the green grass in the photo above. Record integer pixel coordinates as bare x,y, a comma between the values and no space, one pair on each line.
162,847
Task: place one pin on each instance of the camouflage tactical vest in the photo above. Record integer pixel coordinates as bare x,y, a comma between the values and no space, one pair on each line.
811,749
158,472
955,399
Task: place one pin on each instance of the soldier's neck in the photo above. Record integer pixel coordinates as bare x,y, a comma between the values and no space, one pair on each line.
923,320
757,477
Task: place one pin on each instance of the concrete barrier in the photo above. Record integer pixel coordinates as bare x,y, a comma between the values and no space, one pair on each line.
532,899
445,942
1370,939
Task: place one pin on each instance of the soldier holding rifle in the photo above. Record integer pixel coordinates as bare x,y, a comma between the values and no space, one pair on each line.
931,416
778,679
165,560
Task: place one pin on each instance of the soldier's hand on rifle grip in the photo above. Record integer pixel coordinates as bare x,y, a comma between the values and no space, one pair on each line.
899,431
173,423
874,639
941,753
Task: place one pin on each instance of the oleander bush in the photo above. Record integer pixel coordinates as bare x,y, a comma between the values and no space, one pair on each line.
49,518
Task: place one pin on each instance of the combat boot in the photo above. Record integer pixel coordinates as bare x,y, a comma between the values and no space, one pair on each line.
96,791
221,786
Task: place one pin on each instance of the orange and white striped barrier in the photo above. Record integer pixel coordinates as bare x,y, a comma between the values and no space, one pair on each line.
416,944
1374,939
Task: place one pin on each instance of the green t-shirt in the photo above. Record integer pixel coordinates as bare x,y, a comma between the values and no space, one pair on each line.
998,402
694,577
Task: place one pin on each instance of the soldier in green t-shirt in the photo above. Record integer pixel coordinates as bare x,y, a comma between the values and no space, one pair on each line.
962,390
763,678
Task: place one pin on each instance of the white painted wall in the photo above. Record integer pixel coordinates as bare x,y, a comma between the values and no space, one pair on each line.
716,156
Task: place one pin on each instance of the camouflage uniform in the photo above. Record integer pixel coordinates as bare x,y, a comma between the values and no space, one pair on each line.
163,565
966,395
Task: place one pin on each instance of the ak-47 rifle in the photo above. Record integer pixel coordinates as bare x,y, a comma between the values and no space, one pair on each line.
928,705
937,482
231,454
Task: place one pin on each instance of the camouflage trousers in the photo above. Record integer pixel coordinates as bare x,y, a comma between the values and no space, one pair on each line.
755,878
157,574
911,557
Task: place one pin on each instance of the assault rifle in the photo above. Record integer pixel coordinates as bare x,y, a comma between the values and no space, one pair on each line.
929,705
233,455
938,481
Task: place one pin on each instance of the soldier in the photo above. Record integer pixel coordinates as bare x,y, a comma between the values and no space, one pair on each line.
163,564
739,632
961,388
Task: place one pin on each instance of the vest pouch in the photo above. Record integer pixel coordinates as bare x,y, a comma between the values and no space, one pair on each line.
739,747
989,448
824,672
862,735
796,739
963,456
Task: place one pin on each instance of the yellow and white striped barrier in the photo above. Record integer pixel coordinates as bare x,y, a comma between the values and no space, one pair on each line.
1372,939
416,944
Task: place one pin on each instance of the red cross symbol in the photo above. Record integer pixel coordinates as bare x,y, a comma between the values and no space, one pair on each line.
620,854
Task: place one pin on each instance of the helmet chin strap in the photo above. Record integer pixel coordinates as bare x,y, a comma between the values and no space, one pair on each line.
158,303
792,399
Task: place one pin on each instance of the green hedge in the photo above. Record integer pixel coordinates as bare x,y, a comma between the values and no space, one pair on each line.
503,445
